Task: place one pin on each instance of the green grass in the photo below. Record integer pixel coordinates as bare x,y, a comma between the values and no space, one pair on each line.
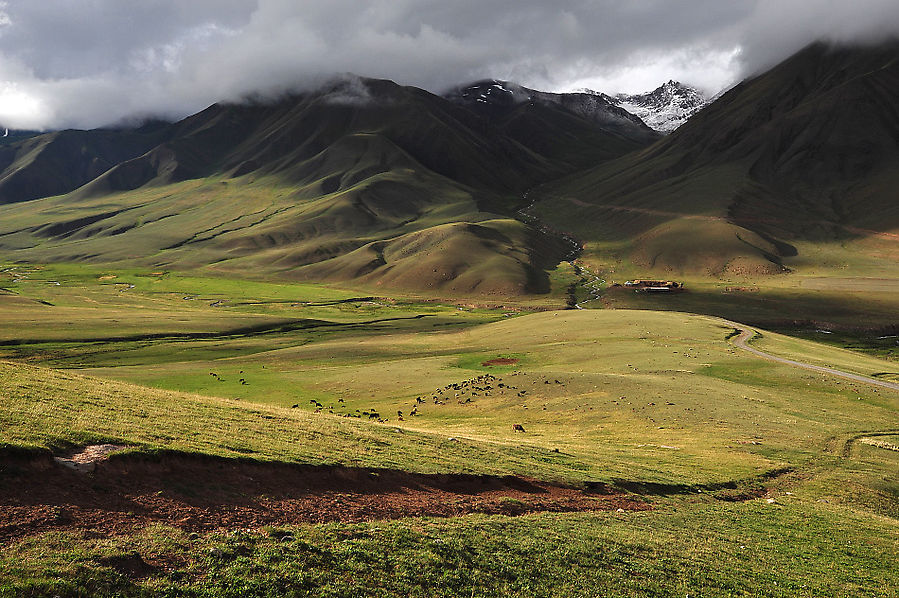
76,315
56,410
883,346
792,548
649,396
827,355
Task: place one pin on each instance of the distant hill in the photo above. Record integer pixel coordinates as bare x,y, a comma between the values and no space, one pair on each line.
806,153
8,136
360,179
665,108
40,165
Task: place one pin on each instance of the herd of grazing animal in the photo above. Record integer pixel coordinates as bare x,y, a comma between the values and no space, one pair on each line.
465,392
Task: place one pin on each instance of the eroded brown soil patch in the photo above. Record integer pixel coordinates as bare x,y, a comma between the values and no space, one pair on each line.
500,361
202,493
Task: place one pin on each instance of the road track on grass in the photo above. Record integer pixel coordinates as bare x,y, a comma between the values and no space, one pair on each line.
747,333
855,230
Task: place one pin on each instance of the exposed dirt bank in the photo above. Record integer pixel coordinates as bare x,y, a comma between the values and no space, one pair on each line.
119,493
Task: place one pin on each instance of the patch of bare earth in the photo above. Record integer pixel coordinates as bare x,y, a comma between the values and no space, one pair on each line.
198,493
500,361
86,460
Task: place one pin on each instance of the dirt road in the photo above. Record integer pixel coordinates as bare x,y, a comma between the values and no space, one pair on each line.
747,333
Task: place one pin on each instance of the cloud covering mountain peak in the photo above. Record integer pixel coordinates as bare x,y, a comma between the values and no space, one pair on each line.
85,64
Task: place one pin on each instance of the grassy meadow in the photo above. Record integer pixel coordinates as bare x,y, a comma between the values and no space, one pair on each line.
781,476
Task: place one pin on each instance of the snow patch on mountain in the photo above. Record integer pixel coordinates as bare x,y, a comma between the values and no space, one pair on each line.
665,108
493,96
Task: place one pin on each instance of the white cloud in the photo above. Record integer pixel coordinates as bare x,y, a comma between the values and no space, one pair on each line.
709,69
73,63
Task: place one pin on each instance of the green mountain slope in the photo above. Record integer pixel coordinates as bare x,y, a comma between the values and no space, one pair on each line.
361,180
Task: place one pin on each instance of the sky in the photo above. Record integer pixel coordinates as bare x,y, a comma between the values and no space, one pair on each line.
90,63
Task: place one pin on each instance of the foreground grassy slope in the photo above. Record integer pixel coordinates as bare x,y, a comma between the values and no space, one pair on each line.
796,548
45,409
718,414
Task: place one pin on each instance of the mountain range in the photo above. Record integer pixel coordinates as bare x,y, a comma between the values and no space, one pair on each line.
362,180
368,181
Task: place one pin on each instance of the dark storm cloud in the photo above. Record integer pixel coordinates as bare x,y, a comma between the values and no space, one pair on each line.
90,62
778,28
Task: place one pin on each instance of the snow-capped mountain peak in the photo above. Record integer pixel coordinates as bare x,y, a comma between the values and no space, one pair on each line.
496,98
665,108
